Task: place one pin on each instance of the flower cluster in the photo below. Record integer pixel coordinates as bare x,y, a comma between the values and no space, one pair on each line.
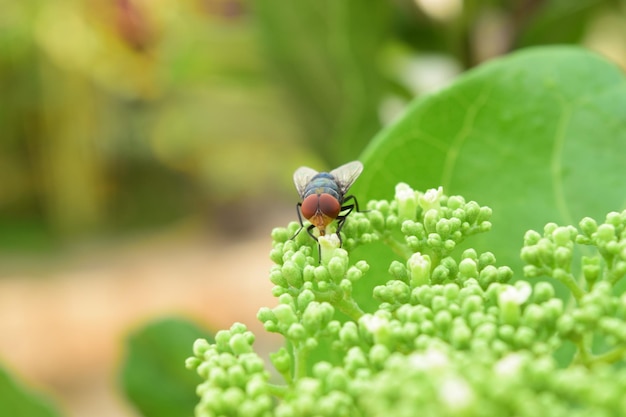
443,332
597,323
235,379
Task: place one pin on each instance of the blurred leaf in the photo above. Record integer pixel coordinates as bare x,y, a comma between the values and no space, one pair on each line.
154,376
18,401
326,54
538,136
559,21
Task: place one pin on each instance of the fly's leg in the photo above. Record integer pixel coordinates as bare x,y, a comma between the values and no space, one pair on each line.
347,209
298,206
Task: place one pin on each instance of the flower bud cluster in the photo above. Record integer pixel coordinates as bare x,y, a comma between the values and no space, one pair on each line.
552,253
443,335
441,381
301,319
600,313
234,377
500,319
329,391
419,270
299,279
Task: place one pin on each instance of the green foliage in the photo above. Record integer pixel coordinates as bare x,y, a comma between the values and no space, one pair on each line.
325,55
538,136
152,376
414,312
18,401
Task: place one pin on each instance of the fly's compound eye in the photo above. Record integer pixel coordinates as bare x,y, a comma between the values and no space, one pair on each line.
329,206
309,206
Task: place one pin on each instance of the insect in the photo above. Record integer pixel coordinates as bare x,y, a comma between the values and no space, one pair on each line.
324,197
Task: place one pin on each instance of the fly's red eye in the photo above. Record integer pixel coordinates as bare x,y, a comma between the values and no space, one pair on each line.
329,206
309,206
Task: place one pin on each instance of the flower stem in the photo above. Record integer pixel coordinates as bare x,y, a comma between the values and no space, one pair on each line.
350,308
277,390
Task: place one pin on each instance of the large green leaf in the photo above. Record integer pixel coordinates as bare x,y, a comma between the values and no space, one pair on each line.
538,136
19,401
154,376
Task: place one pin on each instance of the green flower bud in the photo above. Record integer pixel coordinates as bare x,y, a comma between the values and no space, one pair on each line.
321,274
460,335
531,238
531,271
377,220
431,217
423,295
418,266
455,202
525,337
443,320
468,268
296,332
549,228
292,274
239,344
338,266
543,291
614,218
472,210
439,275
392,222
379,354
563,236
200,346
281,360
563,257
354,274
443,227
605,234
349,334
407,202
276,255
484,215
284,314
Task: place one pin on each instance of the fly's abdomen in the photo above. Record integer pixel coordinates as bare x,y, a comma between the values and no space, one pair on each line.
323,183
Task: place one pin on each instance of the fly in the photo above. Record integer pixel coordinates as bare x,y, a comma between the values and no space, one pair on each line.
324,198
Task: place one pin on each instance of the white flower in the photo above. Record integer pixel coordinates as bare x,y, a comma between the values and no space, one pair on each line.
517,294
509,365
430,199
455,393
431,359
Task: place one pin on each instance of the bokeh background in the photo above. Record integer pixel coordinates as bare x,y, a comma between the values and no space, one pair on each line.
147,149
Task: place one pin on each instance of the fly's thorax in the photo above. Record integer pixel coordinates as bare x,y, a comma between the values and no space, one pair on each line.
323,183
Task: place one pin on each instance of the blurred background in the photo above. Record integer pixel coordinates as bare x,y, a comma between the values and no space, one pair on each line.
147,149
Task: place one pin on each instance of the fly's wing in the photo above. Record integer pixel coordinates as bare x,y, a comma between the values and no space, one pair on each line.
302,177
346,174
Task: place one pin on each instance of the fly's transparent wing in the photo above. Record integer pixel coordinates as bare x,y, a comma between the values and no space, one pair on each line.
302,177
346,174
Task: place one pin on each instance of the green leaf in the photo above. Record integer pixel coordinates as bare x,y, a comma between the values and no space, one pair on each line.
19,401
154,376
538,136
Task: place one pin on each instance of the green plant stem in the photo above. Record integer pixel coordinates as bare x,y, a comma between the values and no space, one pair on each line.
612,356
301,356
350,308
277,390
570,282
398,247
584,355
